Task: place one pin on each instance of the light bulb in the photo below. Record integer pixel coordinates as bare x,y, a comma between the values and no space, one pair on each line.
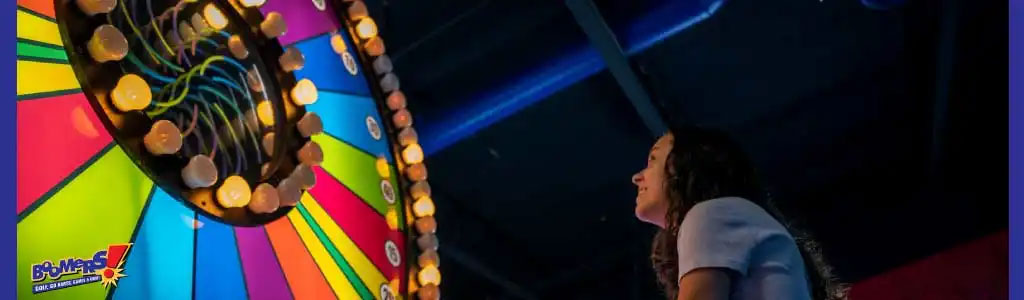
382,64
163,138
268,143
252,3
310,124
265,112
374,47
338,43
402,118
95,7
265,199
187,33
429,292
292,59
389,82
131,93
366,28
303,174
423,207
427,242
426,225
289,191
215,17
255,80
273,26
107,43
383,169
429,258
413,154
310,154
237,47
396,100
200,172
417,172
430,275
419,189
304,92
201,26
392,218
234,192
357,10
407,136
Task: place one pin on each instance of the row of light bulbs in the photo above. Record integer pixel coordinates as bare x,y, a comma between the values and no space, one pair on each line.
426,273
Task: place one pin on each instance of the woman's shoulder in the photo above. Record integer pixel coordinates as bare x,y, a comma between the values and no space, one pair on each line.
734,212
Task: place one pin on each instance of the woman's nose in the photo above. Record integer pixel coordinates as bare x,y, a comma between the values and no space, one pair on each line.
638,178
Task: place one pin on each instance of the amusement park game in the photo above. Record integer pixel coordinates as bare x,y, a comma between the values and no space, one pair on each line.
216,149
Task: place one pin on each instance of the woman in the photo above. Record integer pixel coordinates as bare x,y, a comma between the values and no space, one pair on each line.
719,237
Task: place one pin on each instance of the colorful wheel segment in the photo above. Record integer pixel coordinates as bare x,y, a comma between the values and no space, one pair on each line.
79,192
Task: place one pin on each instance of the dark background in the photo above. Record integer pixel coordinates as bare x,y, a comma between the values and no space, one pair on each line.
881,132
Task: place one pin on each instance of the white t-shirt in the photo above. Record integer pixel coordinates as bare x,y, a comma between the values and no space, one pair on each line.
736,234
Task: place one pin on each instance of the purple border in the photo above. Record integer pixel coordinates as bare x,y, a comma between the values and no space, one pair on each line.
1016,146
9,157
303,19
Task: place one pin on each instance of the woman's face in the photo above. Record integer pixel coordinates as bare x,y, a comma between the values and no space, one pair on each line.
652,198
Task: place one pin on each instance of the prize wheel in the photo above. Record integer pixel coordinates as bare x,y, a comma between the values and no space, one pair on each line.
216,149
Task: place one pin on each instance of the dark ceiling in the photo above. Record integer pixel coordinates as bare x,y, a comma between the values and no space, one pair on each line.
882,133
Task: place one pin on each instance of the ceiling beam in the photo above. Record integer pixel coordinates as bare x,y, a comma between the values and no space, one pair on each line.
604,41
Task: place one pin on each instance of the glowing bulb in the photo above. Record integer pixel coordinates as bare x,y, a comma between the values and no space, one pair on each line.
366,28
292,59
265,199
427,242
200,172
413,154
304,92
338,44
374,47
396,100
273,26
215,17
163,138
237,47
234,192
95,7
357,10
426,225
419,189
429,292
429,258
430,275
383,169
402,118
392,218
131,93
265,112
417,172
423,207
107,43
252,3
382,64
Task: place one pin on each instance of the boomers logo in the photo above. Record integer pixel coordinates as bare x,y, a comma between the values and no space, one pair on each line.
104,266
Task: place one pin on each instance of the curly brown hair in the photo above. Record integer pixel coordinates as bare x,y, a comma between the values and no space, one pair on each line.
706,164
